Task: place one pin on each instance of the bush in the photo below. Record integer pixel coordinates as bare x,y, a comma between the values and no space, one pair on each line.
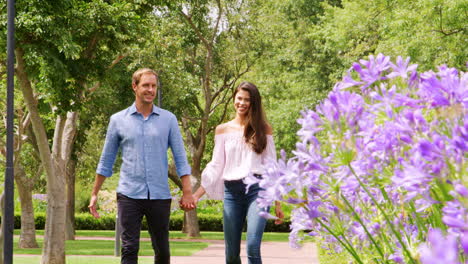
88,222
210,222
85,221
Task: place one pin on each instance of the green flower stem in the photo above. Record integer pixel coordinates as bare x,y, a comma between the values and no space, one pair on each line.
436,209
419,221
397,234
356,216
443,189
385,195
348,246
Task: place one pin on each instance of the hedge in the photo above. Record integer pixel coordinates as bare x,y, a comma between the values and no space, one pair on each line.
207,222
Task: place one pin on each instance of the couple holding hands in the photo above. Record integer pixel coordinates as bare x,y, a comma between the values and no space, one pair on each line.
144,132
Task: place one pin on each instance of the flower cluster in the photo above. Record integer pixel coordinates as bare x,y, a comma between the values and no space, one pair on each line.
108,201
40,196
381,168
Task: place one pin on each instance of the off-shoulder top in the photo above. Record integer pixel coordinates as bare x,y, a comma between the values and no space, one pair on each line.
233,159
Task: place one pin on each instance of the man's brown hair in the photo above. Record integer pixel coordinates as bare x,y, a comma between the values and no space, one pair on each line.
138,73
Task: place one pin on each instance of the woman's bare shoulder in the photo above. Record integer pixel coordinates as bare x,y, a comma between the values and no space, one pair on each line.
222,128
228,127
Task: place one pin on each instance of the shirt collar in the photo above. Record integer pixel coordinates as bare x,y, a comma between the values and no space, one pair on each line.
133,109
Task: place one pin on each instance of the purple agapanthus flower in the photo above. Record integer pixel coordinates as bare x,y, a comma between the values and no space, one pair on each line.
397,256
347,82
401,68
439,249
40,197
444,88
461,190
464,242
455,216
388,145
372,70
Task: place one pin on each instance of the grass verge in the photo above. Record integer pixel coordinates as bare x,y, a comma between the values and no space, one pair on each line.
80,260
267,236
106,247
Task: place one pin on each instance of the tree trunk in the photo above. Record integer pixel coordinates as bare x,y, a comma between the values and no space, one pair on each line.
28,225
70,217
191,224
54,239
184,224
53,251
68,139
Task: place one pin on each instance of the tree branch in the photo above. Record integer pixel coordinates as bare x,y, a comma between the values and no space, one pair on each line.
218,19
192,25
226,87
452,32
21,137
87,53
441,26
2,147
58,136
69,132
208,60
188,134
173,175
113,63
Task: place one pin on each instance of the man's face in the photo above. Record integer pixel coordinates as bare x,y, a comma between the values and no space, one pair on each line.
145,91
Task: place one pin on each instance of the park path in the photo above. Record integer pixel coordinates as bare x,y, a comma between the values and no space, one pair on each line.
272,253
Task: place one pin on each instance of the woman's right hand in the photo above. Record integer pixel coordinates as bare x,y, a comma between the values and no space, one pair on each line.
195,200
198,194
279,213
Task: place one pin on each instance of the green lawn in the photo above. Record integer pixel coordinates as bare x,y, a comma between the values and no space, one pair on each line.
80,260
106,247
267,236
182,247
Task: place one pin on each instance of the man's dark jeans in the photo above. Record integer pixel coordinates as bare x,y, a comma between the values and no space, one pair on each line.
131,212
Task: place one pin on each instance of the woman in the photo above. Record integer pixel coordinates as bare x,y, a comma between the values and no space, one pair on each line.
243,146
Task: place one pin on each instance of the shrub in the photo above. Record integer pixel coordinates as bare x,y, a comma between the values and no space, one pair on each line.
85,221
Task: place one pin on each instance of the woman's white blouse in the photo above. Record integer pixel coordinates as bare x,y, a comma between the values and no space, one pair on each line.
233,159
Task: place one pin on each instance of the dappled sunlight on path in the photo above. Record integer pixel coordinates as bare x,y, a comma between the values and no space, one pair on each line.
272,253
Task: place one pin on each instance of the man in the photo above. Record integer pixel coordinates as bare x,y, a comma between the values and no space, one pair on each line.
143,132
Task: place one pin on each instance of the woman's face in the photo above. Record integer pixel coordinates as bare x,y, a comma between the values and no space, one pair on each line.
242,102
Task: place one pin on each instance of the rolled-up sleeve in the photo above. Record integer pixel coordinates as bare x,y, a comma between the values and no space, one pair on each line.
110,150
212,176
176,144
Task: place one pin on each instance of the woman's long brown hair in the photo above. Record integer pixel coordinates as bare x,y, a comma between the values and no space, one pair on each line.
256,124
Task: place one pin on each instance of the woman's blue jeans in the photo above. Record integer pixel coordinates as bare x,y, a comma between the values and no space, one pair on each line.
238,206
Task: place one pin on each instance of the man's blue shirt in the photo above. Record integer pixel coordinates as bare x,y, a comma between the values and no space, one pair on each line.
144,145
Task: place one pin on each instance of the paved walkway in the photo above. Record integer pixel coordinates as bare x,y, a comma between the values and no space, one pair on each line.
272,253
